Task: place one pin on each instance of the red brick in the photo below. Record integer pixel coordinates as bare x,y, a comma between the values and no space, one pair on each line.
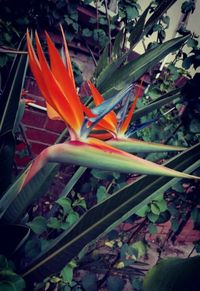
34,118
55,125
39,135
36,148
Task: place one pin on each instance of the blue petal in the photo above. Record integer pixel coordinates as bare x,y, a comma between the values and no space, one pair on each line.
137,127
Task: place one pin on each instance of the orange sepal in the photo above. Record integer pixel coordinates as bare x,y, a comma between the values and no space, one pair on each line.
98,99
127,120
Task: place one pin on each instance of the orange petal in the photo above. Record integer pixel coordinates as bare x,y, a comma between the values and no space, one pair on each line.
36,70
127,121
52,114
61,74
69,65
57,96
102,136
103,123
98,99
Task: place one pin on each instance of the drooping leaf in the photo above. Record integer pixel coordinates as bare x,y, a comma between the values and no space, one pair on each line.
105,216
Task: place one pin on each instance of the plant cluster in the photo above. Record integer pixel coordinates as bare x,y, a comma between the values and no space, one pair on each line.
63,250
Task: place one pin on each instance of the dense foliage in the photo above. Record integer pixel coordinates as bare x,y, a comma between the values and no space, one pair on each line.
94,202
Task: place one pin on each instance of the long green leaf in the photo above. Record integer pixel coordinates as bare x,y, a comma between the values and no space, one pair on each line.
99,218
133,70
118,44
159,11
102,63
9,103
137,31
72,182
109,70
158,103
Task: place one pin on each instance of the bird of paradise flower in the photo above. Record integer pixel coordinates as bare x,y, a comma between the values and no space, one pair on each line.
118,128
57,85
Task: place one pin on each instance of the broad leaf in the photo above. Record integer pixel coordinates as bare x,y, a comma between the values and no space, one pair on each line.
105,215
174,274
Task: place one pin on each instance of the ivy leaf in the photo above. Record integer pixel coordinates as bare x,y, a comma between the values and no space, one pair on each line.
162,204
195,126
115,283
140,247
80,202
178,187
152,217
132,12
152,228
187,62
101,194
86,32
166,20
38,225
174,224
72,217
65,203
188,6
193,43
54,223
195,215
155,208
67,274
142,212
89,282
